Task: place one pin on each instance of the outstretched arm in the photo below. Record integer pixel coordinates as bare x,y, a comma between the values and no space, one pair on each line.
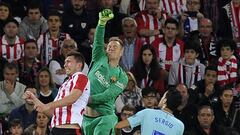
98,44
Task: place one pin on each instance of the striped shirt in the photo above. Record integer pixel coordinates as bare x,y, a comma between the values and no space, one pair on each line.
169,8
72,114
168,55
11,52
147,21
173,8
49,47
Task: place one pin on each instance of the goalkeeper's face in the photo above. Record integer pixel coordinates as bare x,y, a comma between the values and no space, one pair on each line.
114,50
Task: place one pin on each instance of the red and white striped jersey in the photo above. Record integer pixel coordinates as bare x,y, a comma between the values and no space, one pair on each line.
169,8
147,21
168,55
72,114
12,52
48,47
173,8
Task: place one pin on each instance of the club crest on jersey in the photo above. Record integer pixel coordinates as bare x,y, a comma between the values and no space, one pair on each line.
83,25
113,79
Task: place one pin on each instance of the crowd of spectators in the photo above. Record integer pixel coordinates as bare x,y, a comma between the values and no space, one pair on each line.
193,45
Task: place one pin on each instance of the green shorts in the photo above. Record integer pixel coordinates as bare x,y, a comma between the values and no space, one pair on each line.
101,125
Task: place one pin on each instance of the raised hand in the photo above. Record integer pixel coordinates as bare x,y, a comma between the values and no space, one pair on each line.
105,16
30,97
9,86
209,90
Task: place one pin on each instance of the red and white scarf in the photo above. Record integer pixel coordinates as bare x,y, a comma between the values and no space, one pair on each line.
234,15
227,70
195,75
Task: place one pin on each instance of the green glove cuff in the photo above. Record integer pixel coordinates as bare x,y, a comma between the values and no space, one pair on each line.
102,22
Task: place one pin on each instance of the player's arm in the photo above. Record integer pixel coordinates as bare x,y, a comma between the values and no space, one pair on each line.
80,85
68,100
120,125
132,121
98,44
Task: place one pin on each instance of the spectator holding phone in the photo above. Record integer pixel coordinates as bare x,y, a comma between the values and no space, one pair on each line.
191,17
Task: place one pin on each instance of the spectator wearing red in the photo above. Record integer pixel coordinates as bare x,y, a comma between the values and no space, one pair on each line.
169,49
11,45
149,22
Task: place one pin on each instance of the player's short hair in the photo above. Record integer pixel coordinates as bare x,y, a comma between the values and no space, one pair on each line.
78,56
174,99
116,39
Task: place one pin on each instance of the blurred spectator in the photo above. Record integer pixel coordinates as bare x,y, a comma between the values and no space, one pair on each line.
129,7
76,21
189,70
5,14
132,43
215,11
87,46
40,127
149,99
207,39
186,111
4,126
56,66
131,95
16,127
126,112
191,17
59,5
148,21
29,65
169,8
206,91
92,7
49,43
12,46
34,24
169,49
227,63
25,113
224,110
235,121
11,90
45,86
114,26
233,12
206,125
232,132
3,61
147,70
18,8
173,8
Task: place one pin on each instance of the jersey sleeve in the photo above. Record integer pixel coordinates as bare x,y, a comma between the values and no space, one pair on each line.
80,82
98,44
136,119
140,22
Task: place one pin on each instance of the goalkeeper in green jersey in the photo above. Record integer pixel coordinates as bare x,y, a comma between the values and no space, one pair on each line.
107,81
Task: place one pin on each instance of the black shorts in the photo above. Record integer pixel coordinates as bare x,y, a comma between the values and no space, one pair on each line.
65,131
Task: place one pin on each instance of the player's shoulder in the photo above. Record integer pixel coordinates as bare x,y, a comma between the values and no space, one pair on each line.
179,123
80,75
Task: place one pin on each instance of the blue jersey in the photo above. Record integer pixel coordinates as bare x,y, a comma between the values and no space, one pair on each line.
156,122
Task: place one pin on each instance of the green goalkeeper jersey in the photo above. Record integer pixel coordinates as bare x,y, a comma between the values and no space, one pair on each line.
106,82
